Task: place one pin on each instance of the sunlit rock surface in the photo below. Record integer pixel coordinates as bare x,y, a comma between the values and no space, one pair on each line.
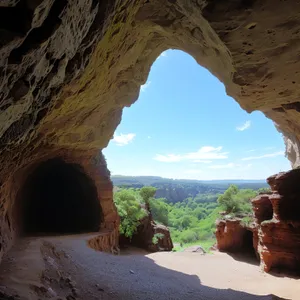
276,230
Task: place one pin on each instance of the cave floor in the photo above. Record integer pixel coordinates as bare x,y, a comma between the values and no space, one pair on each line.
66,268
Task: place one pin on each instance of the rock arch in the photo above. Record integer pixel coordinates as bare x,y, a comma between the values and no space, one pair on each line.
68,68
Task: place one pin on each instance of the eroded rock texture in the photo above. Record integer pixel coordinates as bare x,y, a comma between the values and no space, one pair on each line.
276,230
68,68
233,236
90,175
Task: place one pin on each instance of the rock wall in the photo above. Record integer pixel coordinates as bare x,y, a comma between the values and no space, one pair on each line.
68,68
276,231
235,237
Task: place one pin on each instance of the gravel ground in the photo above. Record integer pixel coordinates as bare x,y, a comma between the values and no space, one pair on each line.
65,268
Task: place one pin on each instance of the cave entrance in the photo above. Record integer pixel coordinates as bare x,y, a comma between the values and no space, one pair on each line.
59,198
248,248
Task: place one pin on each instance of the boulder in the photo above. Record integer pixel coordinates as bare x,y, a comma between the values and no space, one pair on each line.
195,249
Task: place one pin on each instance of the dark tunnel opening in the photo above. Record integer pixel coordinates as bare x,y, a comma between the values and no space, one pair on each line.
248,247
59,198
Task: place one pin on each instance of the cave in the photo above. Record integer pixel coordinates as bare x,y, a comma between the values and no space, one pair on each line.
66,77
247,244
58,198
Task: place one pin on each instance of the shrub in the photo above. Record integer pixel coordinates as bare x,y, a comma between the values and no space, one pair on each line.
236,201
157,237
188,236
246,221
159,210
147,193
130,211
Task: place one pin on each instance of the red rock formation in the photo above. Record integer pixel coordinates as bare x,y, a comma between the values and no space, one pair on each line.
94,166
146,231
276,231
280,237
233,236
262,208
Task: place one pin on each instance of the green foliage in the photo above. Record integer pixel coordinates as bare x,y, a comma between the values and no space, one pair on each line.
160,210
236,201
226,200
176,190
192,220
189,236
246,221
147,193
129,207
264,190
157,237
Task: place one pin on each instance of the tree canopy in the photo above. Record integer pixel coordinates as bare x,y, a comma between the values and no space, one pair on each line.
191,220
235,200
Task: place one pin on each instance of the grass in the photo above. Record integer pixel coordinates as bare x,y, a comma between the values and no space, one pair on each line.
205,244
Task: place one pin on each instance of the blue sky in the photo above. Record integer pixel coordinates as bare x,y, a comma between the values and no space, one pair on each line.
185,126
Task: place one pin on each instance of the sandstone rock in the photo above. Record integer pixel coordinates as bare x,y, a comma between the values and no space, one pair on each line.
262,208
232,236
276,231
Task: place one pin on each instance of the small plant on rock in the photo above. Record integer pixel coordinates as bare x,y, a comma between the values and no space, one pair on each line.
157,237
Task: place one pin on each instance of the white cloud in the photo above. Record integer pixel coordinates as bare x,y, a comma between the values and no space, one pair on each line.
123,139
226,166
245,126
231,166
278,153
168,158
203,154
145,86
252,150
203,161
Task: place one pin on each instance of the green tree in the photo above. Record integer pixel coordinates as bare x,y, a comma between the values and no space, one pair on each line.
226,200
130,211
234,200
188,236
147,193
160,210
264,190
200,213
186,221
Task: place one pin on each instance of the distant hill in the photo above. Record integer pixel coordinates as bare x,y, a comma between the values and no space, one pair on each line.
176,190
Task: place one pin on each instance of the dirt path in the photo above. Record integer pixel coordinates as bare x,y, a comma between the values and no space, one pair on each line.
65,268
